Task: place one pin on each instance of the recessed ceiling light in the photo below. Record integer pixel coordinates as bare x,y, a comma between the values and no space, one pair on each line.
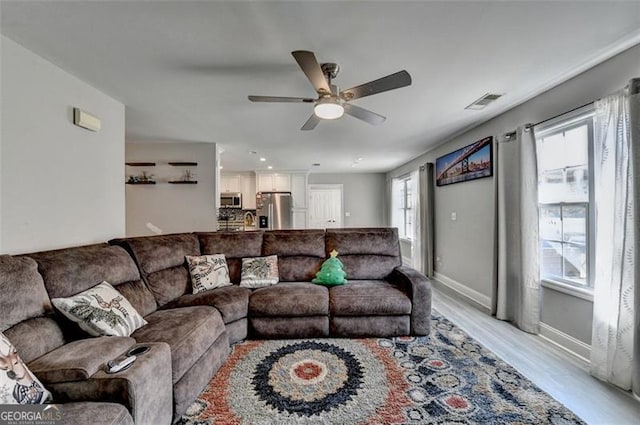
263,159
354,165
270,167
221,167
360,159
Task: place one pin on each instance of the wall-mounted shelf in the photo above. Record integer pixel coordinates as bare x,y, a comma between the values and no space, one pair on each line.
141,164
140,182
184,164
184,182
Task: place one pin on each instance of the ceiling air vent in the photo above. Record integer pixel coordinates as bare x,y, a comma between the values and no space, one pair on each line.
484,101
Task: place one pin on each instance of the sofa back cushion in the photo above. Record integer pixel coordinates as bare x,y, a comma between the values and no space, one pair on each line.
162,262
367,253
26,317
300,252
66,272
234,245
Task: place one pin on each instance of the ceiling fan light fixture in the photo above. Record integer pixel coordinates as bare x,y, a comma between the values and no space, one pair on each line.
329,109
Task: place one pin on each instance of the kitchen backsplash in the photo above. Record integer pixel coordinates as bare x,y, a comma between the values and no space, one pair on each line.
232,219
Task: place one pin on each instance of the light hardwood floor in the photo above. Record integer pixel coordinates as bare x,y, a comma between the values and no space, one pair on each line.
561,375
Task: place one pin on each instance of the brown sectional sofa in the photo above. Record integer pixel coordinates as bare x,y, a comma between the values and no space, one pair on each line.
190,334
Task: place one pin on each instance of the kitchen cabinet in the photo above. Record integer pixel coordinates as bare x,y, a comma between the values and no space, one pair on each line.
299,218
244,183
248,189
230,183
273,182
299,190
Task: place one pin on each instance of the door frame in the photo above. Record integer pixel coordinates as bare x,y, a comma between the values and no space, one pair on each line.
338,186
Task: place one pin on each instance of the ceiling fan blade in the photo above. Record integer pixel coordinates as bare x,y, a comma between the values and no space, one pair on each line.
363,114
390,82
311,68
280,99
311,122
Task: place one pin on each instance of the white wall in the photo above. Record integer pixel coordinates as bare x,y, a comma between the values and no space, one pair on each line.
61,185
466,246
363,195
174,208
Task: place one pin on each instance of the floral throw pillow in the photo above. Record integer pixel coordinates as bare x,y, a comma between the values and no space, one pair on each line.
17,384
101,311
260,271
208,272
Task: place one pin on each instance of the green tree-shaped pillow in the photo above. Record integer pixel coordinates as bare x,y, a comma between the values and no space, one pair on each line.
331,273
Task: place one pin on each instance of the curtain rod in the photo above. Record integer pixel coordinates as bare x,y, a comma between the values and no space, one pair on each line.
512,134
633,86
528,126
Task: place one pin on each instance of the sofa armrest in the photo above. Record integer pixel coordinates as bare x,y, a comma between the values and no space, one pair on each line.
418,286
79,360
145,389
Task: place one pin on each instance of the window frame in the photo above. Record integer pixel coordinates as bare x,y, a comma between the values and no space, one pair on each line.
563,124
405,194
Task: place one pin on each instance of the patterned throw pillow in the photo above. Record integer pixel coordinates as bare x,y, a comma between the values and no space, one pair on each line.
101,310
260,271
17,384
208,272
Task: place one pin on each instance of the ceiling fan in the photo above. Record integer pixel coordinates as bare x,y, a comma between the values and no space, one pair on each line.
332,103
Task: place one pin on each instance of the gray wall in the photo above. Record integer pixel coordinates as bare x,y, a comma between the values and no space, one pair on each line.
363,195
466,246
173,208
61,184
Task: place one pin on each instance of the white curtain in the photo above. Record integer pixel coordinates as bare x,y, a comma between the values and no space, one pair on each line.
614,327
426,217
518,272
416,236
388,195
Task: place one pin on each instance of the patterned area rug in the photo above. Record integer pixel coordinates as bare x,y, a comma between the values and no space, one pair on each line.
446,378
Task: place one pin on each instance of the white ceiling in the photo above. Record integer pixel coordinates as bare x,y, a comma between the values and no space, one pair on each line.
184,69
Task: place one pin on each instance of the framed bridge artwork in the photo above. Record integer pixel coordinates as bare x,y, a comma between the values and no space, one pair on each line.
469,163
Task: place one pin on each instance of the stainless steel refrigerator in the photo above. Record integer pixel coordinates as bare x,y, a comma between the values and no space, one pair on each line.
274,210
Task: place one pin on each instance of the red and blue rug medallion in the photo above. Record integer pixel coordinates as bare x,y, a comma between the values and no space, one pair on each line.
446,378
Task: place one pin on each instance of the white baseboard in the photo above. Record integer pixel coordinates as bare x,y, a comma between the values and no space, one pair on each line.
464,290
566,342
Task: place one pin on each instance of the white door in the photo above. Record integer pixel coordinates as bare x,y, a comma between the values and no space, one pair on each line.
325,206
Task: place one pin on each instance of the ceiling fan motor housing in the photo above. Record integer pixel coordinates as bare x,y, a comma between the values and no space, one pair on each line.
330,70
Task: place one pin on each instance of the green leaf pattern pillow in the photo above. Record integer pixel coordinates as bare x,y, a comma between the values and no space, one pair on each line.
259,272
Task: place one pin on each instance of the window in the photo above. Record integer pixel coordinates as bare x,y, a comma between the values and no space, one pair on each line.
565,155
402,207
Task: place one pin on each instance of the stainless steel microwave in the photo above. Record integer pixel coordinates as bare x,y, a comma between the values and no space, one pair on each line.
230,200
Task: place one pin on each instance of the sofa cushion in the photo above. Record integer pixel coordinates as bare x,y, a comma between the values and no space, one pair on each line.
95,413
259,272
101,310
189,331
69,271
368,298
27,313
79,360
23,294
162,262
366,253
231,301
300,252
208,272
19,385
286,243
234,245
288,299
